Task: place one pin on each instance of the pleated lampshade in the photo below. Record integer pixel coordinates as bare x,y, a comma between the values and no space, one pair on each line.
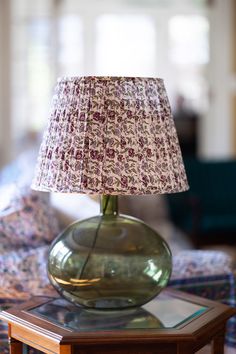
110,135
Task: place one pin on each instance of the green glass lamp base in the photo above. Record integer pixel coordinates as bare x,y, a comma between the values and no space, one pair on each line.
109,261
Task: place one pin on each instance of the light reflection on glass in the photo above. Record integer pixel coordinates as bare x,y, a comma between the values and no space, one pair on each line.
162,312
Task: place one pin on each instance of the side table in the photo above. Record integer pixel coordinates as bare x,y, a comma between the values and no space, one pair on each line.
173,322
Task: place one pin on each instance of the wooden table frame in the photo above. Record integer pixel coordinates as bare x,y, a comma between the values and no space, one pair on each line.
189,337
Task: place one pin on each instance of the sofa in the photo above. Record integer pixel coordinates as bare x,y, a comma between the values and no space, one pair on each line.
30,220
207,211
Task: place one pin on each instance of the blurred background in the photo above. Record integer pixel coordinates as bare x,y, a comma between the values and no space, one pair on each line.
189,43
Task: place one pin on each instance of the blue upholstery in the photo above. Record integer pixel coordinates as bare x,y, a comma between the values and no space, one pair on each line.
209,207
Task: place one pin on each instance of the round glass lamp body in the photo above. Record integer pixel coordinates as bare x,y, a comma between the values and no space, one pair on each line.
109,261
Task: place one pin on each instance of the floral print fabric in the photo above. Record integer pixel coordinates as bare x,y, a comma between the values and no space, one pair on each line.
188,264
27,225
209,274
110,135
23,273
26,218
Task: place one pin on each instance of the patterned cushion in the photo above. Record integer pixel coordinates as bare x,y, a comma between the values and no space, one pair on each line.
209,274
193,263
221,287
23,273
26,218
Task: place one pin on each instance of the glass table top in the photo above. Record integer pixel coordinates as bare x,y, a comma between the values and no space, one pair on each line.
163,312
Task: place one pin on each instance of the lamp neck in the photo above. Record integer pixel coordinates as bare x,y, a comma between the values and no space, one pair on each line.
109,205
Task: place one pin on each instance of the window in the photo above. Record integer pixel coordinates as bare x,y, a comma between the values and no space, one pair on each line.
125,45
188,56
62,38
188,40
31,65
70,51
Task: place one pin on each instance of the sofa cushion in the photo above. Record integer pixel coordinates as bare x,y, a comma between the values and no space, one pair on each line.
23,273
26,218
195,263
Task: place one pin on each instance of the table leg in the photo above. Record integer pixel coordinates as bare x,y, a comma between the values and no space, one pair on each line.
65,349
15,346
218,344
184,348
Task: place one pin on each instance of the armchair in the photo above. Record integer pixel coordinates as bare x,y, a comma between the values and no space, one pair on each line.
207,212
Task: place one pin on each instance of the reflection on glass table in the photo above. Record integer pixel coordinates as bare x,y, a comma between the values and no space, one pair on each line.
162,312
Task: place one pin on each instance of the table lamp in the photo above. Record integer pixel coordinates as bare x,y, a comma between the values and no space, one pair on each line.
110,136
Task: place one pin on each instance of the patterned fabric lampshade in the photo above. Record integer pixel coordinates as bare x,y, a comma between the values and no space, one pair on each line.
110,135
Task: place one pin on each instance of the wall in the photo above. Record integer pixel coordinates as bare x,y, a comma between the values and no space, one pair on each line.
216,136
233,85
5,84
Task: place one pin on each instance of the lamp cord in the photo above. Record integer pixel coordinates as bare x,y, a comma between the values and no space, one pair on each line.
95,238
